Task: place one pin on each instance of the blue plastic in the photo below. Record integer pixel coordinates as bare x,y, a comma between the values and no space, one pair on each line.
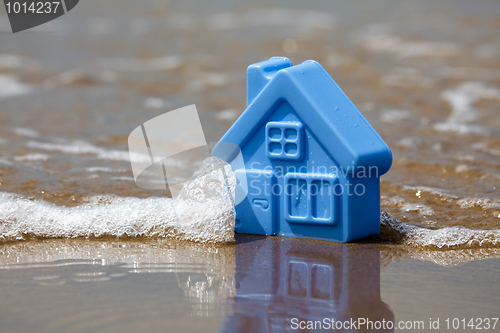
312,161
280,280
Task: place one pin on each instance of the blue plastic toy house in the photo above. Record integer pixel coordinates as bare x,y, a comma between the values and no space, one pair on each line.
312,161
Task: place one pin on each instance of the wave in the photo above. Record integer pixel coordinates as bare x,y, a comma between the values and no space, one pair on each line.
450,257
396,231
203,212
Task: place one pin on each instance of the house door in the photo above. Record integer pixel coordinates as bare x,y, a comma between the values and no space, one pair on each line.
256,213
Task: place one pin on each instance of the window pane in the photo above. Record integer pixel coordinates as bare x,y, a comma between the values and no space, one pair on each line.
275,133
298,198
291,134
321,197
291,148
275,148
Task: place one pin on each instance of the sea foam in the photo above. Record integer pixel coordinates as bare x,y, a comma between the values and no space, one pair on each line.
444,238
203,212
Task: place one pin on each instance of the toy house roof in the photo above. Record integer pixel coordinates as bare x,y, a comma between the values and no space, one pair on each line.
321,105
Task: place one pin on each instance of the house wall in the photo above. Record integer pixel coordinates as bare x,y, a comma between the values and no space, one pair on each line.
316,160
363,210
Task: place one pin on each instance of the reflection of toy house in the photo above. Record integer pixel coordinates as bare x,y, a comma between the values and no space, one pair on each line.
313,162
278,280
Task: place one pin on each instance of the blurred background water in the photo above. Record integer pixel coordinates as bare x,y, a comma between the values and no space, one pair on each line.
425,74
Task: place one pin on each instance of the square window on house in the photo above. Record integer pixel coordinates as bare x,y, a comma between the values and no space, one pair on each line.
285,140
311,198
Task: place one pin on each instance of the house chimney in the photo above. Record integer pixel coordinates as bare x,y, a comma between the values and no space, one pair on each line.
259,74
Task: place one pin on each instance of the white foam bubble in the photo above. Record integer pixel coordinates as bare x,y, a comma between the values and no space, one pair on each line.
479,202
449,237
394,116
422,210
227,115
106,169
271,17
154,103
204,80
380,39
25,132
64,78
12,61
80,147
484,147
10,86
203,212
143,65
31,157
407,77
463,112
444,258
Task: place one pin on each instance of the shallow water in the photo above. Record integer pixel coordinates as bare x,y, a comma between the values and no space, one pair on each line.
258,285
426,75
